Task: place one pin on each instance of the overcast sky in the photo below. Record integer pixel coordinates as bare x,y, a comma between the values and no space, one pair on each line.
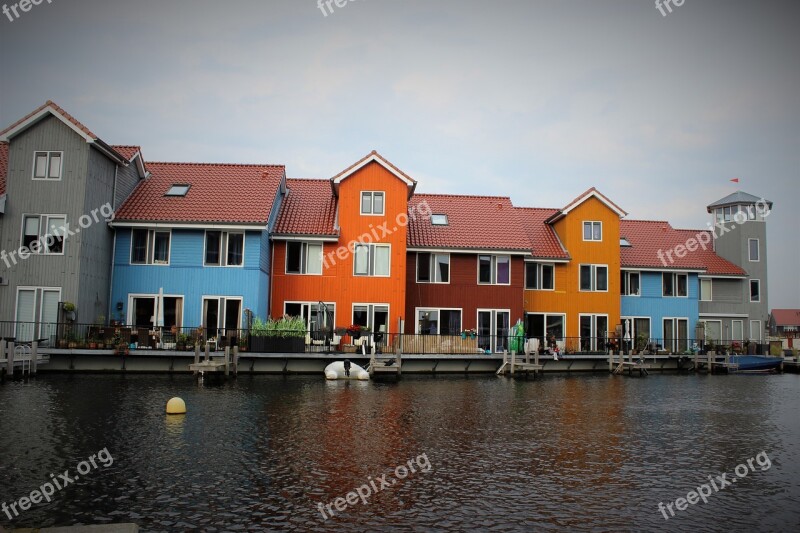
535,100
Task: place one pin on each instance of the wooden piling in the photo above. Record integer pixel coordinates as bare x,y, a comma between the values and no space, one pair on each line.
34,356
236,360
227,361
10,356
196,355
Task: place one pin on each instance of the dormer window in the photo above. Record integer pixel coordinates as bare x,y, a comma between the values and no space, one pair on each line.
439,220
178,189
592,231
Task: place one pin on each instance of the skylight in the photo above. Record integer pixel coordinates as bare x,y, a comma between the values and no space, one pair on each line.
439,220
178,189
624,242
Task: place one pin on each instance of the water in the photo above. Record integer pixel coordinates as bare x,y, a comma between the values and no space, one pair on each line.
578,453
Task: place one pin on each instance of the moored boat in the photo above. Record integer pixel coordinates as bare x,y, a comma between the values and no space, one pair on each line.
756,363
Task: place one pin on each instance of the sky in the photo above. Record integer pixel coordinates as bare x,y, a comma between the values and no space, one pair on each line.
536,100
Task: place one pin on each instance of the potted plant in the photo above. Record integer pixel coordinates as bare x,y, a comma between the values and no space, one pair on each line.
641,342
69,311
354,330
93,342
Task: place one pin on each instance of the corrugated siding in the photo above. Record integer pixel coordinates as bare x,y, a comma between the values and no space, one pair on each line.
652,304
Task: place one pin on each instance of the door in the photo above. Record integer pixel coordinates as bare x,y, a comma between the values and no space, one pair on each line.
493,328
593,332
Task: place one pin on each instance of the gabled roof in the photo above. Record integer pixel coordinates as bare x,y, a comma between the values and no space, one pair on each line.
738,198
786,317
308,209
653,242
50,108
3,166
218,194
473,223
134,155
375,157
591,193
544,242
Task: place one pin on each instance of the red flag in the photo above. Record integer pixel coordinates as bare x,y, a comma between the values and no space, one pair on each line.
735,180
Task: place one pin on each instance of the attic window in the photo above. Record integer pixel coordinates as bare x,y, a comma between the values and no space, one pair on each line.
178,189
624,242
439,220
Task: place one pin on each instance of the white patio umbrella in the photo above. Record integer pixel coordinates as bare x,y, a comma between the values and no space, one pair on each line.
160,313
627,337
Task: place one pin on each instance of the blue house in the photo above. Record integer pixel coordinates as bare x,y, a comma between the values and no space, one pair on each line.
660,297
196,237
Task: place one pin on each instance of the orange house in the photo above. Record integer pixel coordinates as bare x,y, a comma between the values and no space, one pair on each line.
572,279
339,254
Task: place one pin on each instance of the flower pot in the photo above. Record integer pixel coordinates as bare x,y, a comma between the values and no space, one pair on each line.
92,345
463,335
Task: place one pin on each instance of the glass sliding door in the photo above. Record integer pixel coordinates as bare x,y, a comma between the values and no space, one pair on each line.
493,329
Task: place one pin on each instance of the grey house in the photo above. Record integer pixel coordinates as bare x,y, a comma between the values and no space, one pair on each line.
735,308
62,182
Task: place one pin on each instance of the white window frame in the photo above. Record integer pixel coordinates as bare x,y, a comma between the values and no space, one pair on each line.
224,243
760,331
219,297
442,217
593,336
432,257
304,256
44,222
132,296
750,291
371,212
438,310
37,306
741,325
371,316
676,340
591,236
49,153
539,276
493,269
758,251
308,318
150,251
371,247
710,290
627,283
593,277
675,276
633,320
546,316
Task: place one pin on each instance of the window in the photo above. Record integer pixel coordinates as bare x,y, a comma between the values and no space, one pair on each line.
179,189
439,220
593,332
675,285
318,317
592,231
224,249
539,276
303,258
631,284
433,268
150,247
493,326
372,260
706,290
594,278
676,334
633,327
755,290
713,331
737,330
37,305
373,316
47,166
439,321
44,234
494,269
371,203
542,326
753,249
755,330
221,314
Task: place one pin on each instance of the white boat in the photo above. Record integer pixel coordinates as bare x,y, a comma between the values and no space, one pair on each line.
336,370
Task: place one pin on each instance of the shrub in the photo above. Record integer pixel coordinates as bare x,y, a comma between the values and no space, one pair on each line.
288,326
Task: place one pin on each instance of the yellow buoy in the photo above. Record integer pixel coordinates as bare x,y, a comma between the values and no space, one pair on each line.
176,406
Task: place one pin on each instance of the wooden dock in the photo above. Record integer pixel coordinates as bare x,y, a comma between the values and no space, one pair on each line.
617,364
385,365
25,357
215,365
512,365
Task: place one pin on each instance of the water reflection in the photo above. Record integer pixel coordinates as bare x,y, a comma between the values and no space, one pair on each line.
561,453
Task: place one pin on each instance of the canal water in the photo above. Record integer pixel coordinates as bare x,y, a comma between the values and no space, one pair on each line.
561,453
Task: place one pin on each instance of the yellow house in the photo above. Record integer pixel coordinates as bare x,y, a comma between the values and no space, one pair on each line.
572,279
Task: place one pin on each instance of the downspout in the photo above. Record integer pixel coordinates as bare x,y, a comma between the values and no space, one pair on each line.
114,188
111,276
271,276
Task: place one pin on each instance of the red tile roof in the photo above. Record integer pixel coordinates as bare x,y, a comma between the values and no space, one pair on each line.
60,111
786,317
649,237
126,151
3,166
544,242
308,209
591,192
219,193
474,222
